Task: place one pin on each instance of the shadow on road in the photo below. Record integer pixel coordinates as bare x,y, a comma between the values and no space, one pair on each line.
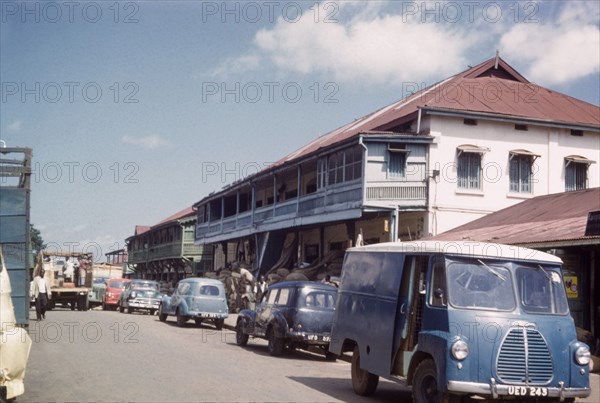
338,387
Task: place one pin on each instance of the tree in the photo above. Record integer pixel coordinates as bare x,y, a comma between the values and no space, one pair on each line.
37,242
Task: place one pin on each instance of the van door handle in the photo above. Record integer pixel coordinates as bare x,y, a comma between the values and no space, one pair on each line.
403,308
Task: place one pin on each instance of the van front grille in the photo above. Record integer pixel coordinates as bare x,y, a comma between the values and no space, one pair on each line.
524,358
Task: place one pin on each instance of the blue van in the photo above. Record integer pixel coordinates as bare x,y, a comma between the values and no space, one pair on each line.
459,319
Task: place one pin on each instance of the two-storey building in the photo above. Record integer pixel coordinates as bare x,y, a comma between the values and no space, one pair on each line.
166,251
475,143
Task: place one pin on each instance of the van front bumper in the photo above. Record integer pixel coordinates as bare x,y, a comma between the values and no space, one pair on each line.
496,390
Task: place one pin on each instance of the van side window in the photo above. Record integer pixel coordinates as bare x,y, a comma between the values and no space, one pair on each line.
437,290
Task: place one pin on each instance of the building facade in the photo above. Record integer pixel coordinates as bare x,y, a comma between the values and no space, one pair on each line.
475,143
166,251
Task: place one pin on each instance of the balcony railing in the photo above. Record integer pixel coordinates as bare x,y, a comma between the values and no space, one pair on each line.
164,251
333,199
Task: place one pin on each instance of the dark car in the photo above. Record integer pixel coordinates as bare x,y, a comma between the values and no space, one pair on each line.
140,295
294,314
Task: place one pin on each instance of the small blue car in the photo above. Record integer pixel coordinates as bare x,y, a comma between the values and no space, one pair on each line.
293,314
198,299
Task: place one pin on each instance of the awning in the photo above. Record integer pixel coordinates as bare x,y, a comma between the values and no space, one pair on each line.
523,152
470,148
578,159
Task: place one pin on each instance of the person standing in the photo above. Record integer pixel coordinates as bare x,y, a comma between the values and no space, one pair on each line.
260,289
41,290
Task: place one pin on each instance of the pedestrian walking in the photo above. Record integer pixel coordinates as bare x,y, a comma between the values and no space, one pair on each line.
41,290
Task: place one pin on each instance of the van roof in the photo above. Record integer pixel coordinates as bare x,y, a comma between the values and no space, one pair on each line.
465,248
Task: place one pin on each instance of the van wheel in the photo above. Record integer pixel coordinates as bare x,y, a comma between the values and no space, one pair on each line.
241,338
363,382
219,323
275,343
425,385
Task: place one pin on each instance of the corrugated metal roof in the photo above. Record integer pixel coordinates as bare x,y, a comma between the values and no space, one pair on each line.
141,229
549,218
481,89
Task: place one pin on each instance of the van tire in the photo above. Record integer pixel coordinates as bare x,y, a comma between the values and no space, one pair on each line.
364,383
425,385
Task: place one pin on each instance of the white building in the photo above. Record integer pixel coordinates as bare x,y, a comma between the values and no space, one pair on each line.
475,143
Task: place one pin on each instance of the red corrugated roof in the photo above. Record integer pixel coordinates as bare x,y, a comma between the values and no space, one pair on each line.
188,211
485,89
549,218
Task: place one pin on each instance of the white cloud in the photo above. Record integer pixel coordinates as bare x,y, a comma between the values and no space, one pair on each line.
149,142
15,126
372,47
560,52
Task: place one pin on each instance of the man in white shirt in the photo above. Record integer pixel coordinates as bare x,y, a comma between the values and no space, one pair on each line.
41,290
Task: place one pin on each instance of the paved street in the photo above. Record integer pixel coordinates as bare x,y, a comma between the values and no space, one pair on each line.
111,357
107,357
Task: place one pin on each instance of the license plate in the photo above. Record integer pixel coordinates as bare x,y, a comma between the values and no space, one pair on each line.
527,391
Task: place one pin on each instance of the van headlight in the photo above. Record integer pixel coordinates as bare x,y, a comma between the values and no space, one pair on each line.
460,349
582,355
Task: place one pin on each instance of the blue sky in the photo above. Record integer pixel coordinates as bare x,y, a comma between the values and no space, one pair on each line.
135,110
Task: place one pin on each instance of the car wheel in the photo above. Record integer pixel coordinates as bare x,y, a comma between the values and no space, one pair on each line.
161,316
121,309
104,307
240,337
180,319
330,356
364,383
275,343
198,322
425,385
152,312
129,309
219,323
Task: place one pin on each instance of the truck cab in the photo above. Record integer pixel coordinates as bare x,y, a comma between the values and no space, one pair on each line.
459,319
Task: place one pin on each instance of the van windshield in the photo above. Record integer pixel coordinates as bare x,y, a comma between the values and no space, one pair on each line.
541,290
476,284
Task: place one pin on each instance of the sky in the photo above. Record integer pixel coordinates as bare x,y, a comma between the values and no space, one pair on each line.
138,109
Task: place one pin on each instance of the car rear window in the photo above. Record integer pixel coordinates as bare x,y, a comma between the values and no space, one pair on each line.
208,290
319,300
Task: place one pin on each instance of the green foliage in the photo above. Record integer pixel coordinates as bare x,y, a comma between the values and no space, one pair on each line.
35,237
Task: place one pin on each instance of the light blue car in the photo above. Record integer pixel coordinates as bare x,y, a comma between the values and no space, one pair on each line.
198,299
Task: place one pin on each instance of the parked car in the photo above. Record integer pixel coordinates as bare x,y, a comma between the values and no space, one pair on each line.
114,288
198,299
140,295
294,314
97,292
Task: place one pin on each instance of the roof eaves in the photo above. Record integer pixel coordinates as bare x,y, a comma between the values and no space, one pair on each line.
508,118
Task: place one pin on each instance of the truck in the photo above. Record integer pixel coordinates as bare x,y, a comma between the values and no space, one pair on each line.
456,320
15,256
69,288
